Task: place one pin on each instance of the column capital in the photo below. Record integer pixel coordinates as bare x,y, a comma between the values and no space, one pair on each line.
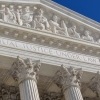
23,69
67,77
95,84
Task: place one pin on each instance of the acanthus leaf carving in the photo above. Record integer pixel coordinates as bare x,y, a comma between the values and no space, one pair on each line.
67,77
95,84
25,69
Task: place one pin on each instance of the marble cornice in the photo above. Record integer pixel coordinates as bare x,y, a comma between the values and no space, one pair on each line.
47,59
51,39
89,46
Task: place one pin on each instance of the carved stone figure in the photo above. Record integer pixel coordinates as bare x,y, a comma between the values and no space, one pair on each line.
1,12
74,33
27,16
11,8
40,22
88,37
19,15
64,29
9,16
2,8
55,27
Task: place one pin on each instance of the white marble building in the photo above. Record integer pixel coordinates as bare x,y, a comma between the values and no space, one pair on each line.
47,52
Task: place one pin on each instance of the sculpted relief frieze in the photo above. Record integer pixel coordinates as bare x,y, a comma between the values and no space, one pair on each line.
35,17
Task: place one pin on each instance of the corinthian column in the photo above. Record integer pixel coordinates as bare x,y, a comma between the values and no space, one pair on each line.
69,80
95,84
25,72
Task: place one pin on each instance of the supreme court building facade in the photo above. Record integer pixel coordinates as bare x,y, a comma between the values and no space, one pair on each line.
47,52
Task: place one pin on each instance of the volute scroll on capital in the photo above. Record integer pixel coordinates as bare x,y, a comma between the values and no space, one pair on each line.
68,77
23,69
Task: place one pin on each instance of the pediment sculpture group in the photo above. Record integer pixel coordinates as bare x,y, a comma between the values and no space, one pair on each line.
26,17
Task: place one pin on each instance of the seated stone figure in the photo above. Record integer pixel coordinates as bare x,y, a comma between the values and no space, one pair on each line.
40,22
87,36
9,16
56,28
54,25
74,33
27,16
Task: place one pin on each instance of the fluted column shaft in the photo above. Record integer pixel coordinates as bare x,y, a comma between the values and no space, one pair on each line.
73,93
28,90
25,72
69,80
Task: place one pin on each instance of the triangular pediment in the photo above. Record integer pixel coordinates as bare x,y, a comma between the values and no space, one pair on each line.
47,16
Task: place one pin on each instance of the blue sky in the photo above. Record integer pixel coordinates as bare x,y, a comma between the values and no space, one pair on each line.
88,8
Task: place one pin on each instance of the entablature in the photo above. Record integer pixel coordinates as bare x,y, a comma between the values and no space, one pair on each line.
35,21
49,39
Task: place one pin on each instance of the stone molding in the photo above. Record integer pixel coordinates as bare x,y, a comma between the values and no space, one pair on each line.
51,40
49,51
46,59
68,77
25,69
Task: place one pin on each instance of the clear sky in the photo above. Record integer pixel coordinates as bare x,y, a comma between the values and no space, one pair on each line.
88,8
